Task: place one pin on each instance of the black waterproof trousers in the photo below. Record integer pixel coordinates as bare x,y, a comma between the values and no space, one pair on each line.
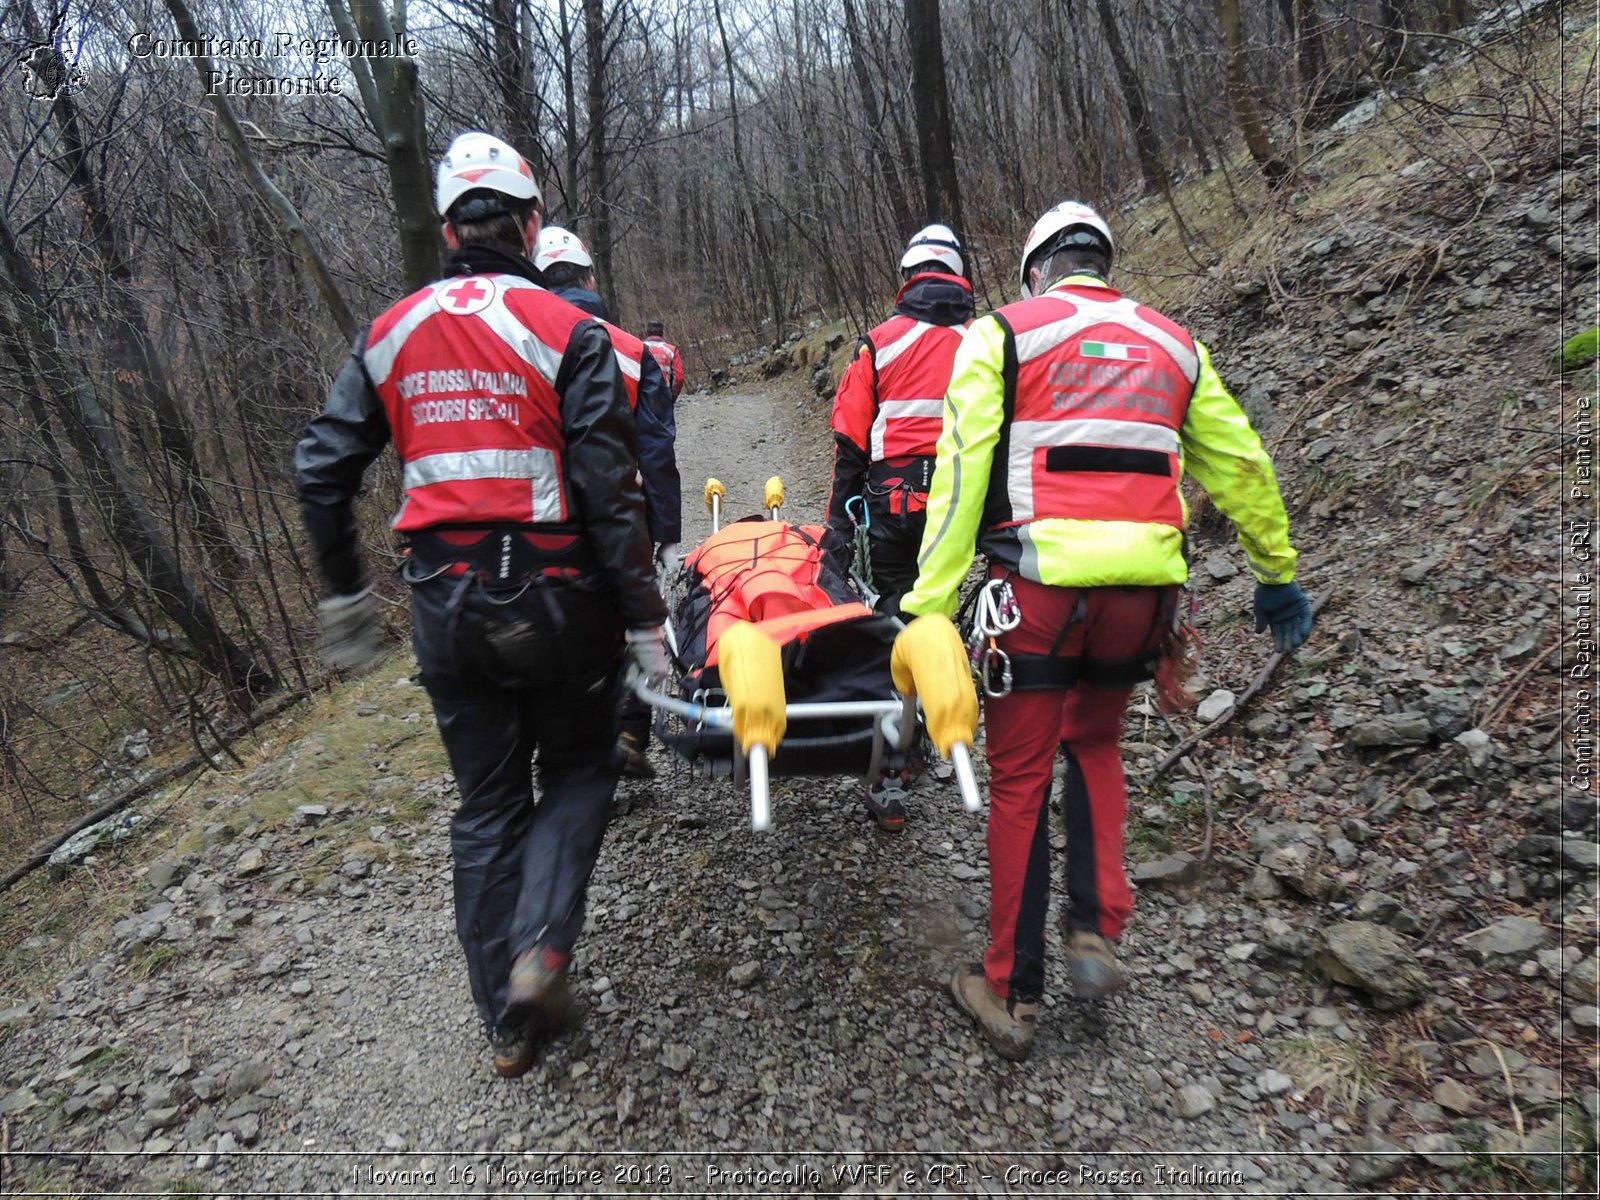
513,676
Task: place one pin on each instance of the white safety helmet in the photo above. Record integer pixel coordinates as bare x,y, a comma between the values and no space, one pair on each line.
1070,216
558,245
936,243
482,162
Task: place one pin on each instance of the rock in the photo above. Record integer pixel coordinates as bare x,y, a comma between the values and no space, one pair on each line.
164,872
1580,855
311,812
1194,1101
1456,1097
161,1118
1171,871
250,863
12,1018
1586,1017
1582,982
1509,941
275,962
246,1076
1373,1159
1262,885
1300,865
1320,449
745,974
300,987
1393,729
1440,1149
1214,705
625,1106
676,1058
1370,957
17,1101
1273,1083
1220,565
1477,745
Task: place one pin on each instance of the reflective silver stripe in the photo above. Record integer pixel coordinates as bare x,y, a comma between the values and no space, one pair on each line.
630,366
518,337
1089,313
882,358
537,465
893,410
380,356
1030,436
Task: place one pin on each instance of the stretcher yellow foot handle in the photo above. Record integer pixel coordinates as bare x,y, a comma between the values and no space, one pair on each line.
772,496
715,493
929,662
752,674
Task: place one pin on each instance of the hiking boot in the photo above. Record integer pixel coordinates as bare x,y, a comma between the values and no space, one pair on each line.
1008,1025
514,1051
539,997
886,802
1093,961
634,763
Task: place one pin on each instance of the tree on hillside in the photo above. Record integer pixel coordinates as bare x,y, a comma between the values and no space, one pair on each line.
941,193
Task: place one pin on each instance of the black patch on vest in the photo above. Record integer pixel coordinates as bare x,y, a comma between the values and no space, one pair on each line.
1107,458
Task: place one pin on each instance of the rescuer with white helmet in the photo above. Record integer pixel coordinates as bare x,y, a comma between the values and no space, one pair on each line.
1070,419
887,414
529,564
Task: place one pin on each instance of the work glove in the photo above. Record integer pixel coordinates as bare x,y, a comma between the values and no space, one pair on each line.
670,557
648,649
751,666
1284,607
352,631
929,662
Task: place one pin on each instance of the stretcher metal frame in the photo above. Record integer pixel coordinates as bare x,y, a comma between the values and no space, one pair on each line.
894,720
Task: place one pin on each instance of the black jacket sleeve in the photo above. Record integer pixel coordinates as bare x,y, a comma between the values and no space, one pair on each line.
338,446
658,456
849,479
600,466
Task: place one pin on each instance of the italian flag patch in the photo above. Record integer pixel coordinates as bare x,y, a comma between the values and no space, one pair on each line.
1115,350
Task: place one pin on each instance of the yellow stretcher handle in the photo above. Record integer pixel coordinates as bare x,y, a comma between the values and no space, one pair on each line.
772,497
714,488
752,672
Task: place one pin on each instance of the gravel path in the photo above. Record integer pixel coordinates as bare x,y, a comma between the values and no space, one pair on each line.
775,994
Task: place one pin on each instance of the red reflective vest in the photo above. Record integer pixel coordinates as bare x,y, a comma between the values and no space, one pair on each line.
666,354
629,351
466,370
894,405
1102,385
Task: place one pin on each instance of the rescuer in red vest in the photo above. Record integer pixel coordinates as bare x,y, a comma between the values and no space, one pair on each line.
886,419
665,353
529,564
1069,421
568,269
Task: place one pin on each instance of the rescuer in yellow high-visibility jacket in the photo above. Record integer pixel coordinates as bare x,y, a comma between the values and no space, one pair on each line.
1069,421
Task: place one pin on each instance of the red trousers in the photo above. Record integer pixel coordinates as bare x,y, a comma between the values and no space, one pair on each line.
1106,634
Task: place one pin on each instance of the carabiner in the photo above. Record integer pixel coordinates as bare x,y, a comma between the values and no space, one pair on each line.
864,521
991,657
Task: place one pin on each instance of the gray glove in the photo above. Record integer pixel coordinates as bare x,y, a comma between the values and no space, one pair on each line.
352,631
648,649
670,557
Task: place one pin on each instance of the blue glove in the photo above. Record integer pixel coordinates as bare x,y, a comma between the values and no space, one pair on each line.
1284,607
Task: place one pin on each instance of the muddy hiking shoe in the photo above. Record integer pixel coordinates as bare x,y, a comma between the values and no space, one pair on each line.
1092,960
514,1051
539,999
631,754
886,801
1007,1025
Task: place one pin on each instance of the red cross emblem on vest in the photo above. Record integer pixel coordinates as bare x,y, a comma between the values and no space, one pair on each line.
467,297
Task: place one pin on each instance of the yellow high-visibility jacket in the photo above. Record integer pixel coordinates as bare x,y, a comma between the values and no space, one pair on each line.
1218,446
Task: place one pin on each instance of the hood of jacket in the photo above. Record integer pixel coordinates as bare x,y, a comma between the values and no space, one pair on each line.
935,298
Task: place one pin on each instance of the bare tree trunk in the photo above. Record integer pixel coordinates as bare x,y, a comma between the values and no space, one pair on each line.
1186,106
509,67
758,227
599,231
1145,143
941,191
263,187
1310,53
882,156
128,517
405,141
1243,100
